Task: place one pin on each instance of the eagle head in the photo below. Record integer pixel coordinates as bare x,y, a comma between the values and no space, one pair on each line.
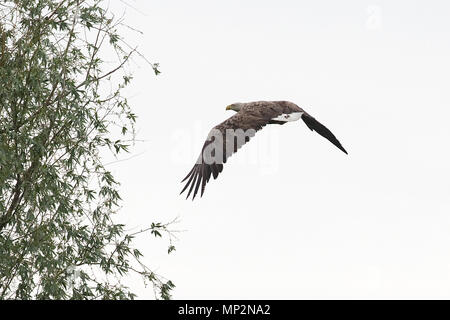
235,106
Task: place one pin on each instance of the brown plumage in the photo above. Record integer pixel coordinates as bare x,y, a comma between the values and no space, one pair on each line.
228,136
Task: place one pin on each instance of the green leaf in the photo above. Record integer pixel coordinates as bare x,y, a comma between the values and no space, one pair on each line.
171,248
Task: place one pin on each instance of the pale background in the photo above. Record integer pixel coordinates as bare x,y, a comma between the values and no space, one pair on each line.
291,216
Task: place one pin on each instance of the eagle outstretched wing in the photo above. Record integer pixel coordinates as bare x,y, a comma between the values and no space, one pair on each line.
222,141
316,126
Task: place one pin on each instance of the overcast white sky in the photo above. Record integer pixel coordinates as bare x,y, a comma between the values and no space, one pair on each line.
291,216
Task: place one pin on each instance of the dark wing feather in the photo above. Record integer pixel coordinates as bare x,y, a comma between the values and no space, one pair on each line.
315,125
202,170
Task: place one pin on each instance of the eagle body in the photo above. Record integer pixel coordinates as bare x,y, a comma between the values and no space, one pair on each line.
283,111
227,137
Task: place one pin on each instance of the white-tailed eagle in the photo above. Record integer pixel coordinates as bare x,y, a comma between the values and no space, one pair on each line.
226,138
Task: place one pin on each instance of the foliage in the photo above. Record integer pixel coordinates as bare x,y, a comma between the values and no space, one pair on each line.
58,110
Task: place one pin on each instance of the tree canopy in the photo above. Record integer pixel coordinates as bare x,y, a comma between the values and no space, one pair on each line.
60,106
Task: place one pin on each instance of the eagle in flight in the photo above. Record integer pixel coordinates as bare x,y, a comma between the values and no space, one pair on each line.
227,137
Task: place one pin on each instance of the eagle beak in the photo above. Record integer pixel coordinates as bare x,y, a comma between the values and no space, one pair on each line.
228,107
